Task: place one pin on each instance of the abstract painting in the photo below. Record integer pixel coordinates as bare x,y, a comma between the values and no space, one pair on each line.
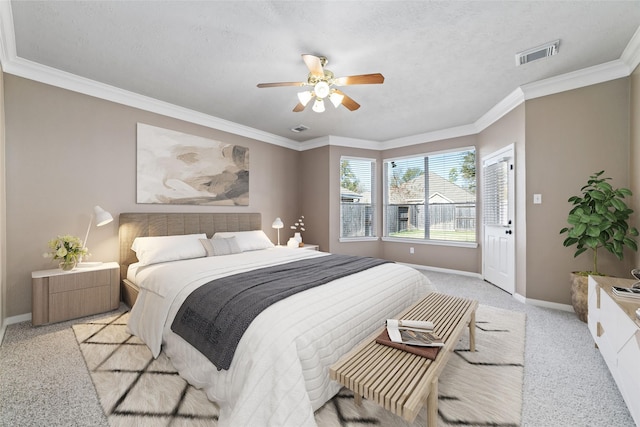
177,168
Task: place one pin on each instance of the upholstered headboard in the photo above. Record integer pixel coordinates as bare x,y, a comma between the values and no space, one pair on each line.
134,225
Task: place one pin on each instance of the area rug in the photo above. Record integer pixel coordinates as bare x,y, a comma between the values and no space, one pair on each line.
480,389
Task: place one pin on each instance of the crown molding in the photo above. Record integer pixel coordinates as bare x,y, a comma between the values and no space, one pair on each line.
499,110
586,77
41,73
631,54
437,135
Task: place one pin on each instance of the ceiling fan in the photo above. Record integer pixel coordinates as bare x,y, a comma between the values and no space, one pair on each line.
322,82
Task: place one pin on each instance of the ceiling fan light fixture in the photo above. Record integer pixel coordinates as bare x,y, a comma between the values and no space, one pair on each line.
336,98
318,106
322,89
305,97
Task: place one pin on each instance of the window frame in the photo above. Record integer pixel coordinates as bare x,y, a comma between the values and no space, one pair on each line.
374,208
385,200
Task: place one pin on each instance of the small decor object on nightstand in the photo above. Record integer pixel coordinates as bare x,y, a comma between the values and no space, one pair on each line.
298,226
68,249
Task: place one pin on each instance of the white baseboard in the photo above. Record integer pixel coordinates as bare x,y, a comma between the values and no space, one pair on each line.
17,319
518,297
545,304
443,270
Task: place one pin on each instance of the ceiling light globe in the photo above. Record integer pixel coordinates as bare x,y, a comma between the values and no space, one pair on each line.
322,89
318,106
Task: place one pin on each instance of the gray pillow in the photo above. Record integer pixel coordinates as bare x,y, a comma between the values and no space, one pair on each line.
217,247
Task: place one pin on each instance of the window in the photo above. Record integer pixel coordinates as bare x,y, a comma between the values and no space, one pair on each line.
357,206
431,197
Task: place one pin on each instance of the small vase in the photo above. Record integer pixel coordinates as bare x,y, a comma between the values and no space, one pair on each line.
292,243
67,265
298,237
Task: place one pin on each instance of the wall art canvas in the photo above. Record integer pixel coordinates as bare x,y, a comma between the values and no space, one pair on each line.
177,168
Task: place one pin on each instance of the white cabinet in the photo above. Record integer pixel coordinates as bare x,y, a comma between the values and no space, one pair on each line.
616,331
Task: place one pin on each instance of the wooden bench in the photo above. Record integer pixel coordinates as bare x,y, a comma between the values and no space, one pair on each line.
400,381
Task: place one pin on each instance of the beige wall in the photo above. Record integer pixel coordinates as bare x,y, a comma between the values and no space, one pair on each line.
314,196
569,136
66,152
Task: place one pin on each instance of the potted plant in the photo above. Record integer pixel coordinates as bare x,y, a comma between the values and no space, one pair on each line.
598,219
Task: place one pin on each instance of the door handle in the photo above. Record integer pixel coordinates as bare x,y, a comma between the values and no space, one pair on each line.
508,232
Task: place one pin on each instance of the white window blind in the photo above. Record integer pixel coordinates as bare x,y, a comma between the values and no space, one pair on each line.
357,208
495,193
431,197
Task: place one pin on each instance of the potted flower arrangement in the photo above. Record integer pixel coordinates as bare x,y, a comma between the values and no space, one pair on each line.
298,227
68,249
598,219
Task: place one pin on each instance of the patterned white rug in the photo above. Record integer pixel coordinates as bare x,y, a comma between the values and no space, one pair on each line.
480,389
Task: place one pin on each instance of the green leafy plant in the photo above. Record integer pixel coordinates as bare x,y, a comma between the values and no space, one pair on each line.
599,219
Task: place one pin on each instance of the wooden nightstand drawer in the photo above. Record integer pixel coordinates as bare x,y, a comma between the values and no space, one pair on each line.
72,282
62,295
82,302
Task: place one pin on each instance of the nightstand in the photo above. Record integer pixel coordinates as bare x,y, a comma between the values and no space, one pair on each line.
58,295
311,247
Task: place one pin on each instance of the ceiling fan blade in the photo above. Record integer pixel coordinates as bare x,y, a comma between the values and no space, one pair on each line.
298,108
348,102
281,84
361,79
314,65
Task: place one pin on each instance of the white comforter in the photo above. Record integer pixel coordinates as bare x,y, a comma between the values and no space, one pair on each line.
280,372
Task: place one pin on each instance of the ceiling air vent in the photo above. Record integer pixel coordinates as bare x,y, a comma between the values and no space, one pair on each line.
544,51
299,128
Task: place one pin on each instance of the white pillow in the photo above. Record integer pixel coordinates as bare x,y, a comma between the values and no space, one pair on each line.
247,240
217,247
152,250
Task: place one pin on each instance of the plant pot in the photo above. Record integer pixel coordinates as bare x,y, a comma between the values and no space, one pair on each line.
580,296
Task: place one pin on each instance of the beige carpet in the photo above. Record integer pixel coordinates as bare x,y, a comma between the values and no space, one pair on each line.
479,389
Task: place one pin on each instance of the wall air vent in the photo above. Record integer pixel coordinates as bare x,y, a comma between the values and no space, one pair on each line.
299,128
544,51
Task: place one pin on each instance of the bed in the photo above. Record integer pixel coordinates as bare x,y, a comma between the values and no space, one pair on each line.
279,374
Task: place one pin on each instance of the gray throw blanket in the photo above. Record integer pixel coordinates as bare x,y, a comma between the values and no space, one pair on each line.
214,317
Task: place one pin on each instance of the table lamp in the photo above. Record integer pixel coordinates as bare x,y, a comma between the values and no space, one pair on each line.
102,217
278,224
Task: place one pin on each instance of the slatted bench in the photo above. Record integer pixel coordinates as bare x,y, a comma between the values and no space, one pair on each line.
400,381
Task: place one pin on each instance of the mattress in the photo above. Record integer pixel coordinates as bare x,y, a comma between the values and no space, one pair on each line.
280,372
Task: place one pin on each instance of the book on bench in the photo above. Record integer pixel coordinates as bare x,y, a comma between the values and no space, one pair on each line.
415,337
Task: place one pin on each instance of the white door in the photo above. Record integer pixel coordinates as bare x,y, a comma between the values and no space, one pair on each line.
498,201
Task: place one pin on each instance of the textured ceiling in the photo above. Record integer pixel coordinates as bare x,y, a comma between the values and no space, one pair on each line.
445,64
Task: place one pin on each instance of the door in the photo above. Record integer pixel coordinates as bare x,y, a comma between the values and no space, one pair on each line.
498,202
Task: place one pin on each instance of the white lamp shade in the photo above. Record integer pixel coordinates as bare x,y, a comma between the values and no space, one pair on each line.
336,99
305,97
102,217
318,106
277,223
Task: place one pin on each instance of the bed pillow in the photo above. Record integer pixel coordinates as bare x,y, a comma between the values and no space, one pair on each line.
247,240
217,247
152,250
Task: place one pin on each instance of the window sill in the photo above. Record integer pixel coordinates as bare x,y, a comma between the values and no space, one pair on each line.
358,239
472,245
